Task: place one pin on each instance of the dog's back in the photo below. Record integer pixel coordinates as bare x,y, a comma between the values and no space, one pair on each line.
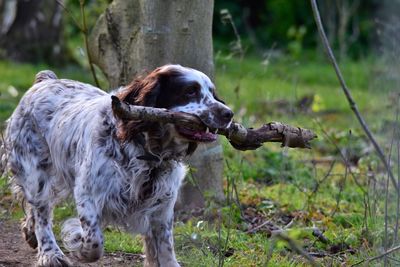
45,129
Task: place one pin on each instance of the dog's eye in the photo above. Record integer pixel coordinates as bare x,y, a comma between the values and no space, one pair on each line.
192,90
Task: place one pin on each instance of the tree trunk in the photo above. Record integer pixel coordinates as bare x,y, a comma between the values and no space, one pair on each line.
137,35
31,30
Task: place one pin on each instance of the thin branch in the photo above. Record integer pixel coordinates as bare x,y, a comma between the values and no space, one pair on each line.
389,251
234,195
296,248
227,17
83,28
348,95
253,230
240,137
319,182
341,188
85,36
77,24
385,241
396,228
343,157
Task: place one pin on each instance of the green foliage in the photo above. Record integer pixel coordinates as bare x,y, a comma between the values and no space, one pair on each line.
13,85
349,220
270,167
264,24
93,9
296,35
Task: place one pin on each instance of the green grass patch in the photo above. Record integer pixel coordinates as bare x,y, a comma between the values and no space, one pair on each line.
16,78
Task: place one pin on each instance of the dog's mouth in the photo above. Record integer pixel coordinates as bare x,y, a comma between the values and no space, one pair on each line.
205,135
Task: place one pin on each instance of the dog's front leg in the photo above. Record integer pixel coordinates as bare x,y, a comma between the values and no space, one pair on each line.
158,241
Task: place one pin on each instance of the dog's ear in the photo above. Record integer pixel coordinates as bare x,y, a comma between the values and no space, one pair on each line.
142,91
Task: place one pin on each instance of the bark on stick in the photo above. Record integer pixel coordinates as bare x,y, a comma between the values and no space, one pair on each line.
240,137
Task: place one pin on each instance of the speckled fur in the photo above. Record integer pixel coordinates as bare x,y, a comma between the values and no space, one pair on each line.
62,140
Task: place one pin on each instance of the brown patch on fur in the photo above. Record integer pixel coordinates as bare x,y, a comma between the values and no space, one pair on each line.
142,91
161,89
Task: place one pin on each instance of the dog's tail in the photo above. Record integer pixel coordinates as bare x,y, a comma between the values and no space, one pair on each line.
71,234
45,75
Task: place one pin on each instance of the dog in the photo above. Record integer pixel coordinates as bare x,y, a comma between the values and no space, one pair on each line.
64,139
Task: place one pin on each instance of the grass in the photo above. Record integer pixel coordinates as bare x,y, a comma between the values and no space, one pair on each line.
276,184
16,78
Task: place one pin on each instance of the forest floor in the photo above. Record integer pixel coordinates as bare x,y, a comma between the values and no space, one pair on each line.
328,201
15,252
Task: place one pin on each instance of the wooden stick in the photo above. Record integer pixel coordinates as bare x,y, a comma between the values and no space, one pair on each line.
240,137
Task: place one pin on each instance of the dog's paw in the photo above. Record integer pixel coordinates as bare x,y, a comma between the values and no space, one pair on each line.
53,260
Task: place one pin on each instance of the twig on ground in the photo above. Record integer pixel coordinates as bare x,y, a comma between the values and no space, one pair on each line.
323,160
389,251
348,95
314,230
320,235
253,230
287,226
240,137
296,248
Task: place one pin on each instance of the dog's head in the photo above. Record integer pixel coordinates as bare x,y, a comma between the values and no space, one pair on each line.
181,89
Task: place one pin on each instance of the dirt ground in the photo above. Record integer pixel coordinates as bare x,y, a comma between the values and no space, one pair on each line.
14,252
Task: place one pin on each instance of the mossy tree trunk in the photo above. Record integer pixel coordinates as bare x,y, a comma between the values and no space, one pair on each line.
133,36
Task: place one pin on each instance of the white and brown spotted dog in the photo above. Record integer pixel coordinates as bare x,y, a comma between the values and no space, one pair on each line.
63,139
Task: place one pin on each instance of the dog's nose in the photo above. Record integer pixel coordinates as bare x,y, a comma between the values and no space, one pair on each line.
227,114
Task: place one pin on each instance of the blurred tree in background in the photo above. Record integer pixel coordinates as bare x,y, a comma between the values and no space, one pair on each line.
32,31
137,35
